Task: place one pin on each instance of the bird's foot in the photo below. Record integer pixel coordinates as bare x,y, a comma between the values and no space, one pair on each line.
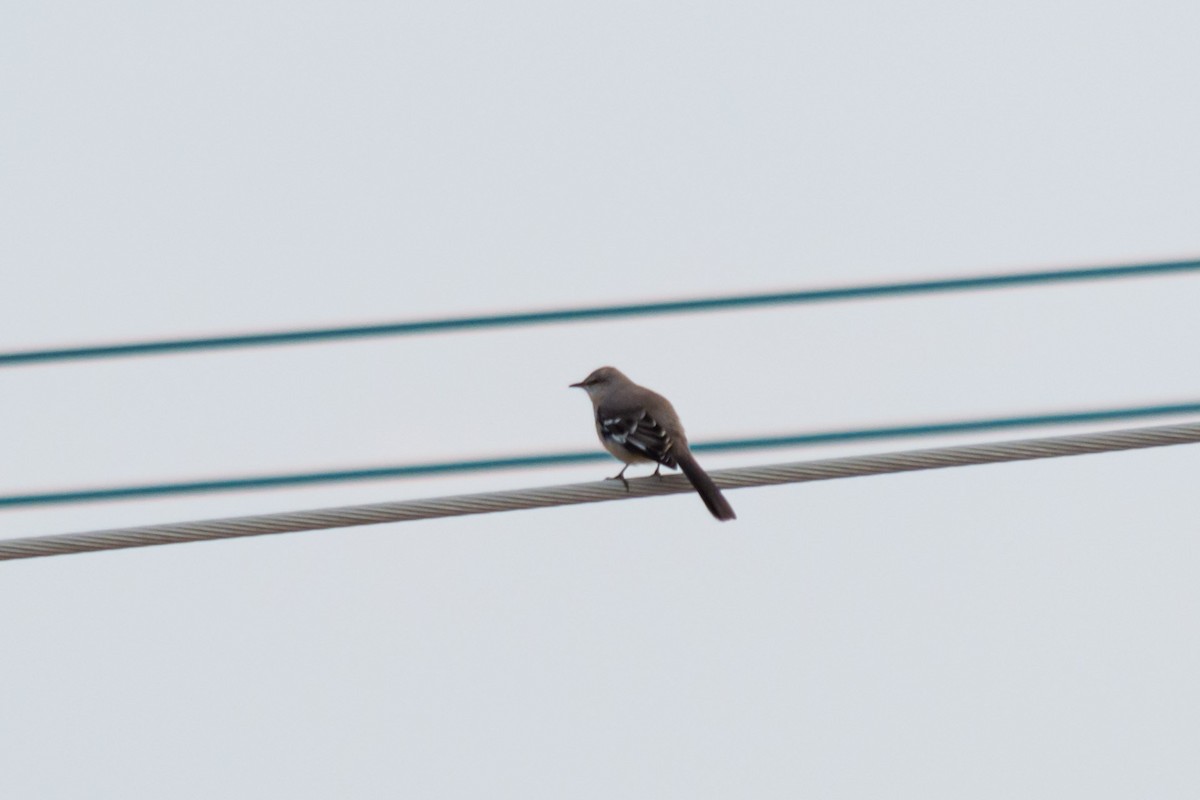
620,476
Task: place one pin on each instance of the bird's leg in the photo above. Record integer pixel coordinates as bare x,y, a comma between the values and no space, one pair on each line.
658,474
620,476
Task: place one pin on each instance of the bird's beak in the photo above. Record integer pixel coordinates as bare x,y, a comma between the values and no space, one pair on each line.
575,385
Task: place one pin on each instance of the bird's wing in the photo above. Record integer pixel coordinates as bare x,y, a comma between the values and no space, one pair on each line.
637,432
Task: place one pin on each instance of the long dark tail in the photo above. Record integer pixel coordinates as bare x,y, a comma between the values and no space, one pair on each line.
705,487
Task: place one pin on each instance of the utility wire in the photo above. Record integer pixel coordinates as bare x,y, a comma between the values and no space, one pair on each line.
725,302
580,457
569,494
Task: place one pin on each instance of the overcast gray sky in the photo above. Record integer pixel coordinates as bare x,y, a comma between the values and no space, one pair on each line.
1024,630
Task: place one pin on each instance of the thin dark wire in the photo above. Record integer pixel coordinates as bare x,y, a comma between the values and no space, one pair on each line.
551,459
595,313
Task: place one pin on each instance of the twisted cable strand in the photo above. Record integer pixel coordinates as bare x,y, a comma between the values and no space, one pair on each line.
598,491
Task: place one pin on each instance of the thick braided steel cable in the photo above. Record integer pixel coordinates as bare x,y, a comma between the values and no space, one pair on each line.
408,510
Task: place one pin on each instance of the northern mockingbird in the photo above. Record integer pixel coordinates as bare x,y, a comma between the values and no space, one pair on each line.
637,425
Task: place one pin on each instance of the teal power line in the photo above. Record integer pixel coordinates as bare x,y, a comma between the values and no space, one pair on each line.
597,312
551,459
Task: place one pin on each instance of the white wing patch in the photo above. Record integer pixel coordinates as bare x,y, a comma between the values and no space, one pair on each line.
639,433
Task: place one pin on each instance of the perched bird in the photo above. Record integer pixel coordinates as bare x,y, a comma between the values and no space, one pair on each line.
637,425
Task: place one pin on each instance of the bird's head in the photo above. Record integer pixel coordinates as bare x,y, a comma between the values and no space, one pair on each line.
599,380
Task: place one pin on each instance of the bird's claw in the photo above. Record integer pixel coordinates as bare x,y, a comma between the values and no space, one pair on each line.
620,476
